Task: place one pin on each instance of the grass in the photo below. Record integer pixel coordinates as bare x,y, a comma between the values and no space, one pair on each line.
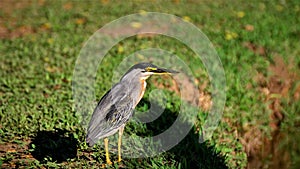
40,45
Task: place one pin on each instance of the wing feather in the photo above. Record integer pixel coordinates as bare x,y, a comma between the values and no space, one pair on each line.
113,110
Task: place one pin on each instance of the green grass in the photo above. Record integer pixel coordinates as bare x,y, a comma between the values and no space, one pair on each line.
38,125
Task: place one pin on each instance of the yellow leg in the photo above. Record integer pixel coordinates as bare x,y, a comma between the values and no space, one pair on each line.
120,143
106,151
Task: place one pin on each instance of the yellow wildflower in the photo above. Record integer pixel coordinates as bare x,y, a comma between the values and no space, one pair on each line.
186,18
140,56
46,59
230,35
142,12
50,40
136,24
120,49
240,14
46,26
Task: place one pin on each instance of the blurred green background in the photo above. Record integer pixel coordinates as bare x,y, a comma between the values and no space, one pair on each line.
258,44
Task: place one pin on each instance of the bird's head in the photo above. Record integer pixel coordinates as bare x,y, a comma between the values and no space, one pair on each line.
145,70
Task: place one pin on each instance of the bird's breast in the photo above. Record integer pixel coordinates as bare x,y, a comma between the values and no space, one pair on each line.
143,89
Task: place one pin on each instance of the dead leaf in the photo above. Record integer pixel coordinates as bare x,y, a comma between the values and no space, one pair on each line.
249,28
68,6
260,50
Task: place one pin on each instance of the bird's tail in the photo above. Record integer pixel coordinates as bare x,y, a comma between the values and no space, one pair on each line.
90,142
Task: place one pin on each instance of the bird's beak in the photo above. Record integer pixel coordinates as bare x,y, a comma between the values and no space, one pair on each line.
163,71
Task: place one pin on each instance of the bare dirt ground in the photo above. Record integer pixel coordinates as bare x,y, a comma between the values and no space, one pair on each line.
9,28
274,88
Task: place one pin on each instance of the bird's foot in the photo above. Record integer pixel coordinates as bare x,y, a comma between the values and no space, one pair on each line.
108,162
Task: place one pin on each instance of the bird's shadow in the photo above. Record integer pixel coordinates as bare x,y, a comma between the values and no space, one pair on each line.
193,154
58,145
190,152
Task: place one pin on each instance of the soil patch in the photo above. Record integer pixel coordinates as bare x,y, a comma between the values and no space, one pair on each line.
275,88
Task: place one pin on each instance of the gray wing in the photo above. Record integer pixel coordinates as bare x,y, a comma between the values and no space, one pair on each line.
114,110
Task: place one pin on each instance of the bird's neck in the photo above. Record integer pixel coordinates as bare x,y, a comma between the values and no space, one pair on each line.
143,88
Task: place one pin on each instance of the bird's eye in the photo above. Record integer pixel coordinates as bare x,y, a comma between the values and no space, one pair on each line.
149,69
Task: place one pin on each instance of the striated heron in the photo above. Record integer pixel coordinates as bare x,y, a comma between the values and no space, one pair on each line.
116,107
